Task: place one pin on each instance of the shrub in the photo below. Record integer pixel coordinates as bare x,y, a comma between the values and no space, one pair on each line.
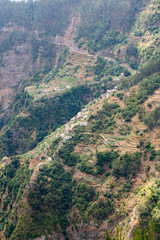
83,196
120,95
101,209
105,158
86,167
49,198
126,165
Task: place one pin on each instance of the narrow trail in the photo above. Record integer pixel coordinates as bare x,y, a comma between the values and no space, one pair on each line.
68,40
60,40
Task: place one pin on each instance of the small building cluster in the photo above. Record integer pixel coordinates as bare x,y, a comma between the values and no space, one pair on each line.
80,119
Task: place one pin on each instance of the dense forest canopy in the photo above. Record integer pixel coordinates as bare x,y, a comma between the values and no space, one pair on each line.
104,23
50,15
79,133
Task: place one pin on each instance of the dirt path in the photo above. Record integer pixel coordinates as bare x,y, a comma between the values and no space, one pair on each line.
68,40
61,40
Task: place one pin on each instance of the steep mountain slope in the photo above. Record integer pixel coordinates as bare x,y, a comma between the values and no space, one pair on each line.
104,23
93,170
80,120
144,39
58,95
44,83
126,30
26,46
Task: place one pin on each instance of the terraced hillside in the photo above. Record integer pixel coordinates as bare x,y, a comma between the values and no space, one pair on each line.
97,169
79,120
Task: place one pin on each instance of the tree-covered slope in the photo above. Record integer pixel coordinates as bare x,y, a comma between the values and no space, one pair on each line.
48,100
105,24
90,174
26,44
79,133
127,30
143,40
47,16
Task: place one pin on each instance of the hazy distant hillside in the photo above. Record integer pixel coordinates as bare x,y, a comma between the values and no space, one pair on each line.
106,23
47,16
25,45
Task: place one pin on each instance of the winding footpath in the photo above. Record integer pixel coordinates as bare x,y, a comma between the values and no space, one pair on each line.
62,40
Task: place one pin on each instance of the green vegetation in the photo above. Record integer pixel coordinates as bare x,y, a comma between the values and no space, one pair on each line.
50,17
47,114
149,212
105,117
49,197
122,165
152,119
127,165
147,70
13,38
44,117
105,158
38,48
131,55
47,52
108,68
120,96
85,167
102,23
147,87
80,181
101,209
13,181
140,234
83,197
68,157
148,21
